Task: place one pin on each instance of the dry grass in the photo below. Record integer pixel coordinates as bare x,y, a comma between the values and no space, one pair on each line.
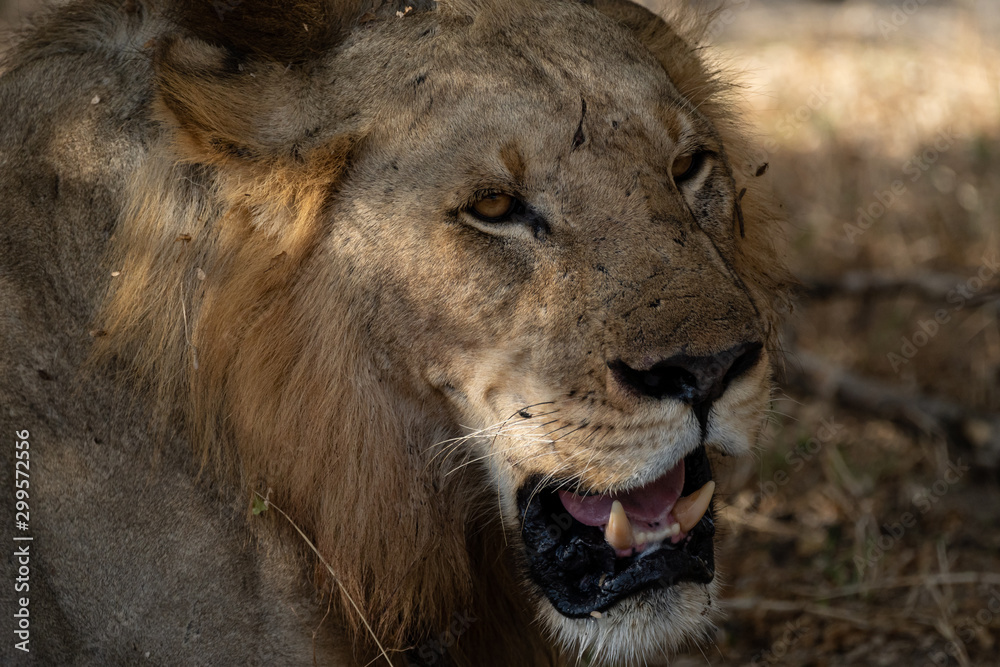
843,108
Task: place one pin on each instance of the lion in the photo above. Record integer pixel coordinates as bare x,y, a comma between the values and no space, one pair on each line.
341,332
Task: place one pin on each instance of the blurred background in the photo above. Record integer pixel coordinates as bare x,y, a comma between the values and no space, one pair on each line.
866,530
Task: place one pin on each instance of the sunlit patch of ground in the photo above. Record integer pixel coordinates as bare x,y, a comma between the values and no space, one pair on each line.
852,541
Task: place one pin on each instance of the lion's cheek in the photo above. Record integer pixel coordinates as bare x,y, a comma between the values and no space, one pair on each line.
739,416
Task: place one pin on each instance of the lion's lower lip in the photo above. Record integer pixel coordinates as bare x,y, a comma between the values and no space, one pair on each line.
580,572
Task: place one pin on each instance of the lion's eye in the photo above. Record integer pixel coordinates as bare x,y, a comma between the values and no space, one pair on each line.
686,166
493,207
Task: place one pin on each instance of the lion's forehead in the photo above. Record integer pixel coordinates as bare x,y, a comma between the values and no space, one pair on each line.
467,122
535,67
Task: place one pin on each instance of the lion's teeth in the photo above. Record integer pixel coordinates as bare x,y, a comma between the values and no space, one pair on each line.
689,509
619,531
640,538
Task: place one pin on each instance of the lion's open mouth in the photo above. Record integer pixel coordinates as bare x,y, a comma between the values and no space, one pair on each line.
589,552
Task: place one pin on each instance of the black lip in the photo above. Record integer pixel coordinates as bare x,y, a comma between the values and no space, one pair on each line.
577,569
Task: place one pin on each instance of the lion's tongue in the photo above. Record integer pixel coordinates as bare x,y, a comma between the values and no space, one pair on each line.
647,507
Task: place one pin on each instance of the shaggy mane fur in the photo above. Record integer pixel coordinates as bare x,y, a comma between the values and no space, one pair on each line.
208,311
212,310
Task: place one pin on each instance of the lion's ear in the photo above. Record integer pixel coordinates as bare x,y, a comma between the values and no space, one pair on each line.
228,107
234,80
673,43
277,152
288,31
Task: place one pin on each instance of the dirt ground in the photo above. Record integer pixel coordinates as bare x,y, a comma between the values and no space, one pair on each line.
860,535
866,530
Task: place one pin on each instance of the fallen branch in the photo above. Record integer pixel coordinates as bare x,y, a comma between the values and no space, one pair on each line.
793,607
972,430
929,286
912,581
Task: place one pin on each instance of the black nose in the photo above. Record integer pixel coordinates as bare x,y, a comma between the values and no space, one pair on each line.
697,381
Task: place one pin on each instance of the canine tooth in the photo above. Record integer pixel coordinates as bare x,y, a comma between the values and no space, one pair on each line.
619,531
596,614
689,509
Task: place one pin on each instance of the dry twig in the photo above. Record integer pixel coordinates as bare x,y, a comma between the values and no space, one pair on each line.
871,284
270,505
796,607
912,581
969,429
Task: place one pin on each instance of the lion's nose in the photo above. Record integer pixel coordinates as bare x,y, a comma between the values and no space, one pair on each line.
697,381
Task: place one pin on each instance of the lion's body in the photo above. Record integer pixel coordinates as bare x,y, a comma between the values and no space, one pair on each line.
131,556
183,325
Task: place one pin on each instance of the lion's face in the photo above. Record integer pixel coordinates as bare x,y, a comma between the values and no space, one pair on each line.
546,248
501,241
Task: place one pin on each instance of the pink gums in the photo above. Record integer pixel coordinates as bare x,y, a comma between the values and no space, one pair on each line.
647,507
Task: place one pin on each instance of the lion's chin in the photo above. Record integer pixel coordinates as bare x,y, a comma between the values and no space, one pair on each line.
630,596
644,629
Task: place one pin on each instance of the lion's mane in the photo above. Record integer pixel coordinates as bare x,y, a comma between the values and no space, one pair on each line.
211,311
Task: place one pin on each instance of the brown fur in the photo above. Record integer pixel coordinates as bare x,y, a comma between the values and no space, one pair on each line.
312,347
